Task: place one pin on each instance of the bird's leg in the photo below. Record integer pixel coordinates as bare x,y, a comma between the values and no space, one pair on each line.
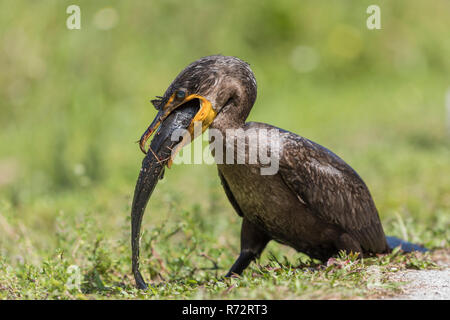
347,243
253,242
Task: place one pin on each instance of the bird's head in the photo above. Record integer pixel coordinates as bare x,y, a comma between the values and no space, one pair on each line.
224,88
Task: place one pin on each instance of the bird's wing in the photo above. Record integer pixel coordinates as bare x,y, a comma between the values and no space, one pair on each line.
331,189
230,195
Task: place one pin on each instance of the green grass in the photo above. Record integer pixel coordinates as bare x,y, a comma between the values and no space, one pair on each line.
72,103
183,259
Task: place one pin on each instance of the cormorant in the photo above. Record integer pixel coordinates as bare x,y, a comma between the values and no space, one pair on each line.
315,203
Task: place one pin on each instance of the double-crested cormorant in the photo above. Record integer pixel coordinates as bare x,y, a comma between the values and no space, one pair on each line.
315,203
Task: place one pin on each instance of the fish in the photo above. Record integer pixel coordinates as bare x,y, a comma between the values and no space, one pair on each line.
152,170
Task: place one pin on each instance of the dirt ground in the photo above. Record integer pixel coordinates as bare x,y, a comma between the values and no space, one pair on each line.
426,284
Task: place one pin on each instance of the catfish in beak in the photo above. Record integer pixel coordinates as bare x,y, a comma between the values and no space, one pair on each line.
205,114
158,155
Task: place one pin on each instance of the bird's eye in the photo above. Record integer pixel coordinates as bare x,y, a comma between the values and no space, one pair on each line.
180,94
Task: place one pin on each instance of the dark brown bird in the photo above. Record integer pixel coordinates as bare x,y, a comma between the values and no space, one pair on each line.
315,202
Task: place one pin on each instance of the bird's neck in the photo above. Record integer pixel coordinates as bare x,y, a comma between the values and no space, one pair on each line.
234,114
224,132
225,121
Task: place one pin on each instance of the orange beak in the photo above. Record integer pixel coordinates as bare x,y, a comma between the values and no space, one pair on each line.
206,115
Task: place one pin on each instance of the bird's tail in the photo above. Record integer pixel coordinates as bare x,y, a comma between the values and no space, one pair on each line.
406,246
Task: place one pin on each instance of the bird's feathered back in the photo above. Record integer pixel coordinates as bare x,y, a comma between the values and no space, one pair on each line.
332,190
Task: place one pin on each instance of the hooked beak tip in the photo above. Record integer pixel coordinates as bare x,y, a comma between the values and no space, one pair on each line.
141,146
142,142
147,134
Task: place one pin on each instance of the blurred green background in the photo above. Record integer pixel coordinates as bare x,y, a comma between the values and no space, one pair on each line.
73,103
